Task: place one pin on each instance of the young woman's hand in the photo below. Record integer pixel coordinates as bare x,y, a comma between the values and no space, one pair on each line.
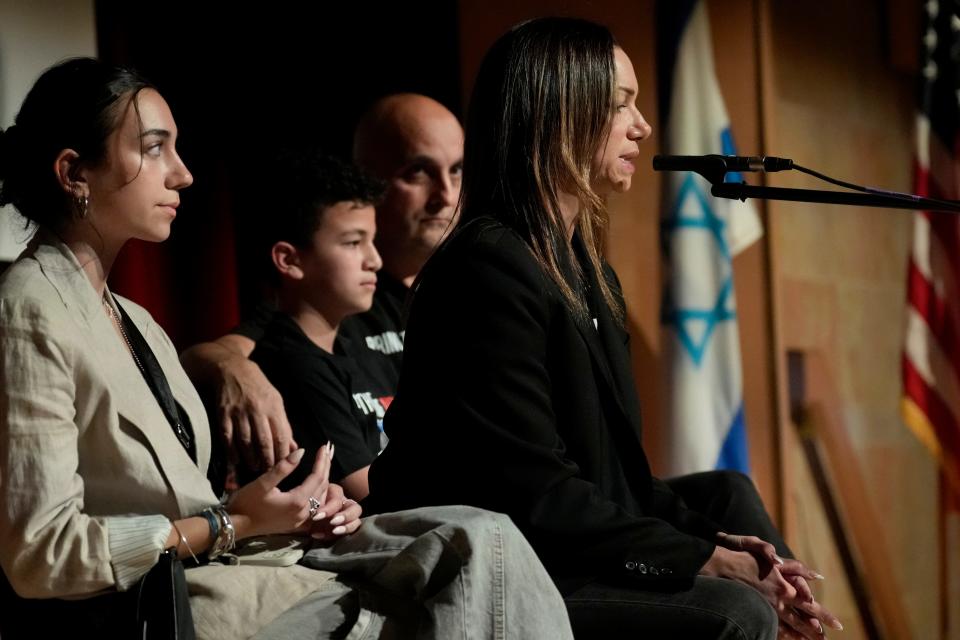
261,508
340,516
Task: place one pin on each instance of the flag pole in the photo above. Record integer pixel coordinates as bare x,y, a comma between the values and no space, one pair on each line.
943,567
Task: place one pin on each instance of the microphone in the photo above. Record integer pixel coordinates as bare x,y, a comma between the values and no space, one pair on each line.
713,164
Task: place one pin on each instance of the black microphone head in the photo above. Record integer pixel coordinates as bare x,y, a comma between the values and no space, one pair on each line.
772,163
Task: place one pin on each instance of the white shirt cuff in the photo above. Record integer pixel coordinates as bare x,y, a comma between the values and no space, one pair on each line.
135,545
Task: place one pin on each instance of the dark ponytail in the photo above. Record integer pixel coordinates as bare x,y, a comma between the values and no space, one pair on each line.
75,104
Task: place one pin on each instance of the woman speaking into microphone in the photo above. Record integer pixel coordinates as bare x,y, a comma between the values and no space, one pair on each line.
516,392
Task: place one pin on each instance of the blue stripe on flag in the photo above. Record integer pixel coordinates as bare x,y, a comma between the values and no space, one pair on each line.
733,454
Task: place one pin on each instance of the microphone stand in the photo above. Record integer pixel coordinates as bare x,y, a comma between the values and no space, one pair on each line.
713,168
742,191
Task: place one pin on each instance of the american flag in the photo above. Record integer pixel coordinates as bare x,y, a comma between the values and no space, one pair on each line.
931,358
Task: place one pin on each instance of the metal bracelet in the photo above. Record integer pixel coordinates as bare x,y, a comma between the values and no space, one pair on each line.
225,533
185,542
227,526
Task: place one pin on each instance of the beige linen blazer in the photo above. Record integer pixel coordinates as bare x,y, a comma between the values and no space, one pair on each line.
82,439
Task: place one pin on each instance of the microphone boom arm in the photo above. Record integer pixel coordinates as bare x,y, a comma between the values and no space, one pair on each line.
714,168
742,191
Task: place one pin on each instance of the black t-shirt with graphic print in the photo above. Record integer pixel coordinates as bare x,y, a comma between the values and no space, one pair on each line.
327,397
380,330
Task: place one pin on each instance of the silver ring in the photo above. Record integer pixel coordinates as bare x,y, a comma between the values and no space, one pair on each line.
314,505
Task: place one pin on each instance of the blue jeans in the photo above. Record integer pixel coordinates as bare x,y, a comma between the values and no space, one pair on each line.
436,572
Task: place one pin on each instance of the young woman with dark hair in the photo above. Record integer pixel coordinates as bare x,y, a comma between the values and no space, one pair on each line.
104,442
516,393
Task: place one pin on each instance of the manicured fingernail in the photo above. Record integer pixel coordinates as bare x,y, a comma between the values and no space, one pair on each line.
817,576
296,456
332,447
338,531
836,625
320,515
778,559
318,535
338,520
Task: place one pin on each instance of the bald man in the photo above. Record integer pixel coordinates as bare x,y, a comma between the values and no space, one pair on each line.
415,145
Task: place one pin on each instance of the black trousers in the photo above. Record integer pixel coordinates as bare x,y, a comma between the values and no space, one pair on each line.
713,608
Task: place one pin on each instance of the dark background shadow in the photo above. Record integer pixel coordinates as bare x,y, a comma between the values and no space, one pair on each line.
243,83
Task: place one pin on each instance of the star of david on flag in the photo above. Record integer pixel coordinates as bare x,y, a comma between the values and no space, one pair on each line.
701,234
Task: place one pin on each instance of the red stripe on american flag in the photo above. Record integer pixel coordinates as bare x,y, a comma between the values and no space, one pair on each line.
921,179
944,423
935,312
945,227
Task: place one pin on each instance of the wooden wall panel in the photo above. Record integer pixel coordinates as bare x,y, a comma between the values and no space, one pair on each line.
835,102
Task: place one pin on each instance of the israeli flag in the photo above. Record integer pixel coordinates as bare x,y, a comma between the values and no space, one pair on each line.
705,427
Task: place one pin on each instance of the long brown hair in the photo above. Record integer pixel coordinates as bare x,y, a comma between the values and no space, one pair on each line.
540,109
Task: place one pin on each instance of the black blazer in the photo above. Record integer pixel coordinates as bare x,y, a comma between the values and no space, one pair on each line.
508,401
